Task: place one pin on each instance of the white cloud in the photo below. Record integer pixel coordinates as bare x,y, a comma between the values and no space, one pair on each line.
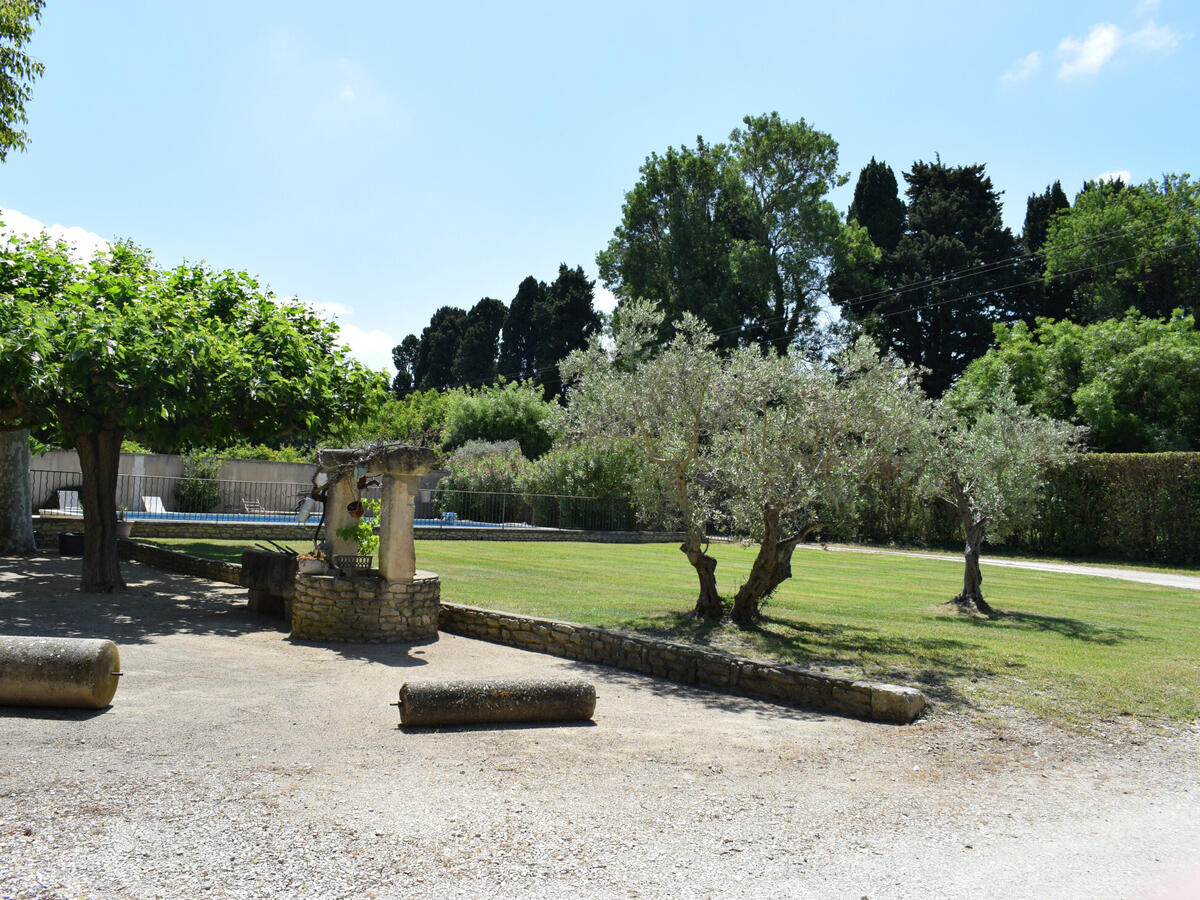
84,244
1146,8
1023,68
1116,175
372,348
1155,38
1090,55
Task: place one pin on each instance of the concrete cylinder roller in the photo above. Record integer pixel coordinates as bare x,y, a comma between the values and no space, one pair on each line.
495,700
68,672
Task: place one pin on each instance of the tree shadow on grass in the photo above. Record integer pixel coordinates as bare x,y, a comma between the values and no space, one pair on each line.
1073,629
937,665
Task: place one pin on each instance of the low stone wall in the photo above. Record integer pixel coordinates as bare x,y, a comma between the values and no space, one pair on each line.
365,608
688,665
170,561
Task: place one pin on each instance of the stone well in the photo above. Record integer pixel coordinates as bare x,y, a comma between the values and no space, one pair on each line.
394,603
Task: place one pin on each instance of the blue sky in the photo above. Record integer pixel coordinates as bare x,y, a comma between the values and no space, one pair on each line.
391,158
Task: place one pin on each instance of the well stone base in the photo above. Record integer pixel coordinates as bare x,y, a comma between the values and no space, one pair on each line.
365,608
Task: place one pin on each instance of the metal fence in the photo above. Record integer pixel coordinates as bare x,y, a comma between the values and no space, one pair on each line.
147,497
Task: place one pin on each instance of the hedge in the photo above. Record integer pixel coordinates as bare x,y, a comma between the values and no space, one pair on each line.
1132,506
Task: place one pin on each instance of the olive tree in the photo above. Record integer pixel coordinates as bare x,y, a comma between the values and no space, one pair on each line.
808,436
774,447
669,402
119,347
991,464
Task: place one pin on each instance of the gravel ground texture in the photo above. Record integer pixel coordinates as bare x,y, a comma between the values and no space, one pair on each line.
237,763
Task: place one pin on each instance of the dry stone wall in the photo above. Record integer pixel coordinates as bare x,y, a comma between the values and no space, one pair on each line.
681,663
365,609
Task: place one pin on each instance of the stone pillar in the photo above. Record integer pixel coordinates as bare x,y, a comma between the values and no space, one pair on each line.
341,492
397,553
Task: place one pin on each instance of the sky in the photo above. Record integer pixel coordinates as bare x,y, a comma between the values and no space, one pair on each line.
393,158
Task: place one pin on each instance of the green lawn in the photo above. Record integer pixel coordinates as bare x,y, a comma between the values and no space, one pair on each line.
1069,648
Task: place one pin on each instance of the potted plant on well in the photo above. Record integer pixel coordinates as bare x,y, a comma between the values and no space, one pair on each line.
362,532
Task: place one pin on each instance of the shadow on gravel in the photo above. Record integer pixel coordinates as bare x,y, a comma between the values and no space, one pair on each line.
41,596
51,714
491,726
396,655
1073,629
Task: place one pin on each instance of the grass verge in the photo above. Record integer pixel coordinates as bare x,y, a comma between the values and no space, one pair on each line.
1068,648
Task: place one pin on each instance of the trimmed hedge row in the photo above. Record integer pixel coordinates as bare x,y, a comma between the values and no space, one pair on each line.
1134,506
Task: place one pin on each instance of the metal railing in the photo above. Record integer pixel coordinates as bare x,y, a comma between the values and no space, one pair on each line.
160,497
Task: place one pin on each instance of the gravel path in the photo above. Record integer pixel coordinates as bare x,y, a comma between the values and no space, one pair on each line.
1146,576
235,763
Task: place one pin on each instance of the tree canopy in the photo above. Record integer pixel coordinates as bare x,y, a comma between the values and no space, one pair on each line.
739,234
1134,381
1123,247
187,356
950,276
18,70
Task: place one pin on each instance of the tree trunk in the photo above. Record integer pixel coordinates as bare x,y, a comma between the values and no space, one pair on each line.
772,566
971,598
16,504
708,604
99,458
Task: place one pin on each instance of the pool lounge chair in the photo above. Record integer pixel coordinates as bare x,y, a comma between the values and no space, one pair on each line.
252,506
154,505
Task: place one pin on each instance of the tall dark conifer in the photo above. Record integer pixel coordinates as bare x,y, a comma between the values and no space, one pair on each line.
565,321
475,361
434,364
518,344
1051,300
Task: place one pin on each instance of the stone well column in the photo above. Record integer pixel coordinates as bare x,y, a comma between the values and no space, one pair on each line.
402,467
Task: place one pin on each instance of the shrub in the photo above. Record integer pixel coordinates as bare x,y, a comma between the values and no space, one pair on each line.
198,490
508,412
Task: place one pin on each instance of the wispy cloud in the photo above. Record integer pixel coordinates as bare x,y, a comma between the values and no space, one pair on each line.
1155,38
84,244
1089,55
1023,68
370,346
1146,8
1116,175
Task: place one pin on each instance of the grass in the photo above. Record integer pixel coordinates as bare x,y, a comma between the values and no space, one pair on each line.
1068,648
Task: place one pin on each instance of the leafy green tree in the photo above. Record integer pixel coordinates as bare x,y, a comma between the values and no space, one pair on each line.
418,417
1134,381
1129,247
991,466
18,70
475,360
739,234
565,320
518,343
438,348
514,411
173,358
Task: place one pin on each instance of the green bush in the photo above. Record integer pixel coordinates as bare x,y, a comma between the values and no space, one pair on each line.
482,476
198,490
506,412
584,487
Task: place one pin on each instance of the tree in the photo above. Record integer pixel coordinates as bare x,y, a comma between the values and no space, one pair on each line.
438,347
475,359
810,434
17,70
17,73
175,358
404,358
1041,299
518,344
667,402
1134,381
739,234
950,276
1123,247
514,411
991,466
565,320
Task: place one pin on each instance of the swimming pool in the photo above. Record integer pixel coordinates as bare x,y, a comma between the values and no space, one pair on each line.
290,519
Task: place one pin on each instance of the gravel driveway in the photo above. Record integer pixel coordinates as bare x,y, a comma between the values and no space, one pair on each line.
235,763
